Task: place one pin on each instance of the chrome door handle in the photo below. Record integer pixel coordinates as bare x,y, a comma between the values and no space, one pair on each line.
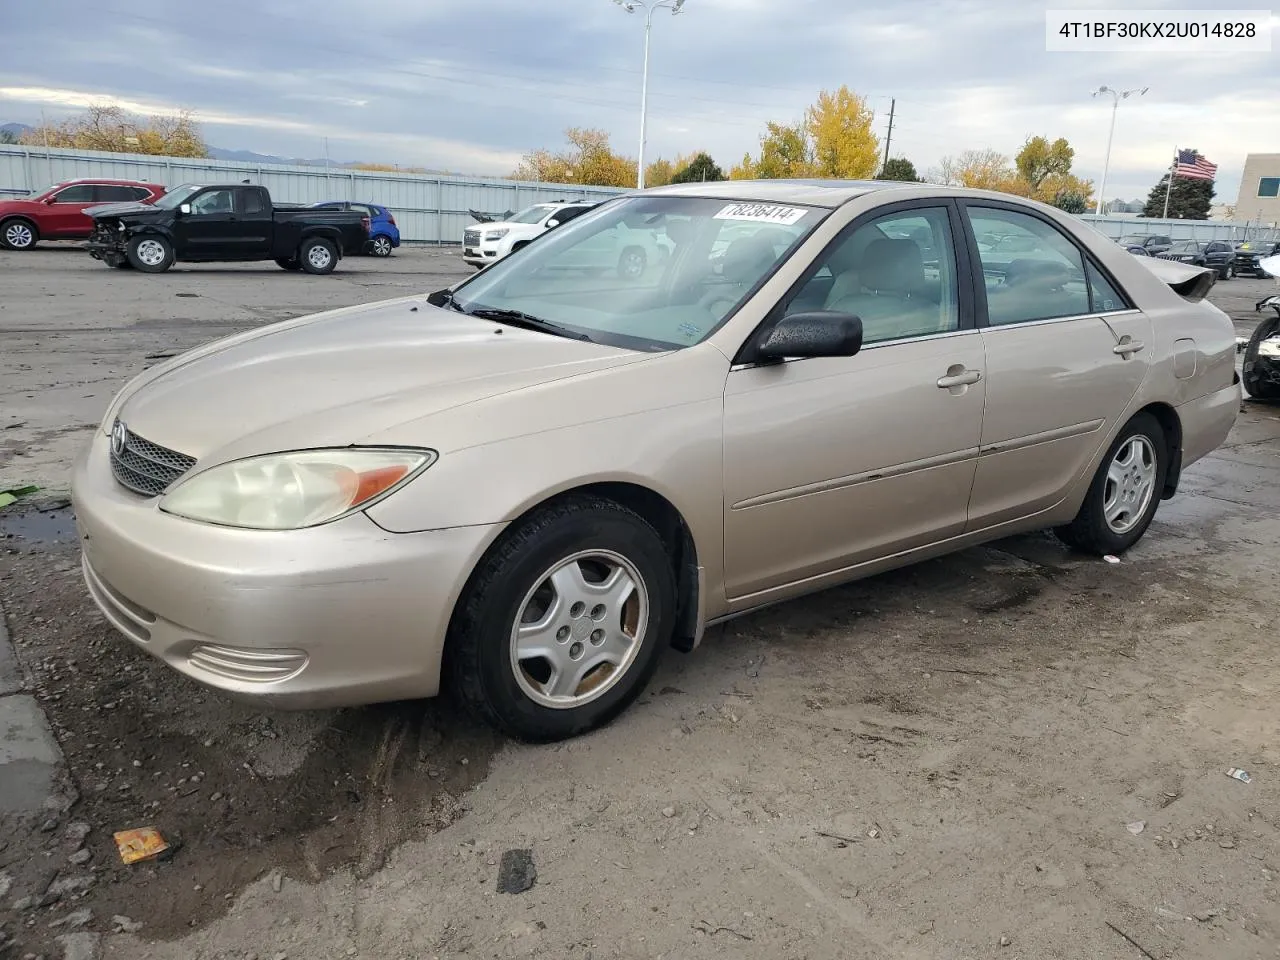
962,379
1127,347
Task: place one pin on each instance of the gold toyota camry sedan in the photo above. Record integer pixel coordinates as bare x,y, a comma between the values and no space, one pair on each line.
524,489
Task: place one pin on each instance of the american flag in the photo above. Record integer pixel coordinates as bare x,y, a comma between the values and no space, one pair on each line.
1190,164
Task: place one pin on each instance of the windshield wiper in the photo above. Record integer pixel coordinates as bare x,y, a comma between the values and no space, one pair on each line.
528,321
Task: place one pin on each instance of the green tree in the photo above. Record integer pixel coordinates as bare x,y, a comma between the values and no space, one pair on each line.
701,168
8,136
784,152
842,142
659,173
1071,202
1039,159
1188,199
899,168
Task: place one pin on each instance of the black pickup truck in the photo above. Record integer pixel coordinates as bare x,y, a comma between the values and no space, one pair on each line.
199,223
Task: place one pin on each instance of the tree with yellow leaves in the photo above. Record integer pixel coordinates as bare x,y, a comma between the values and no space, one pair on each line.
589,160
110,129
834,139
1040,171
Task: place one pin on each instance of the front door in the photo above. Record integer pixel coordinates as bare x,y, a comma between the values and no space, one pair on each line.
208,232
66,217
832,462
1065,353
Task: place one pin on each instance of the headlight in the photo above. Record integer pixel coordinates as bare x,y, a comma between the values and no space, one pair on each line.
497,234
289,491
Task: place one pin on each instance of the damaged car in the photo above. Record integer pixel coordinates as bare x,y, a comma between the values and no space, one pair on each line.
197,223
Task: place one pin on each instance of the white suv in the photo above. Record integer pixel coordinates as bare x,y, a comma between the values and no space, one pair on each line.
487,243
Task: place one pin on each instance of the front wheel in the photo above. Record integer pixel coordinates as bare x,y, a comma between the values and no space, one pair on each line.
380,246
563,622
318,256
150,254
1125,492
1229,272
1255,384
18,235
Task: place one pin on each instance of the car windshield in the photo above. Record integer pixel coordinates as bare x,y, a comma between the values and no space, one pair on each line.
646,273
532,215
1186,246
43,190
177,196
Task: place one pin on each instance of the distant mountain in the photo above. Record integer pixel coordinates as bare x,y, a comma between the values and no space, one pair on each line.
16,129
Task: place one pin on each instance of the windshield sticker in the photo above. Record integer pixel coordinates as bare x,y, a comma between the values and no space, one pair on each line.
761,213
690,330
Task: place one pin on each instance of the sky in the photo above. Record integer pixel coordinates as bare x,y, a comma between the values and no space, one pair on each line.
469,87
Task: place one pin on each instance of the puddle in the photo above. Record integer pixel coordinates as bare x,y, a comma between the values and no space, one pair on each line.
50,524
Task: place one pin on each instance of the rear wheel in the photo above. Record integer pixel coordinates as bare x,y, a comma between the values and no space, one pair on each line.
289,263
18,234
380,246
318,256
150,254
563,622
1255,384
1125,492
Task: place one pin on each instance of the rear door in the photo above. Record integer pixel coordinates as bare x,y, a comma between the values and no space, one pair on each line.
65,215
251,239
1065,353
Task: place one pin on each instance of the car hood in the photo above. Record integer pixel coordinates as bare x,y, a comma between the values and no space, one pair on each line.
342,377
120,209
504,225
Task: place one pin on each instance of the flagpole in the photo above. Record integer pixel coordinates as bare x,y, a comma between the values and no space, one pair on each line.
1169,188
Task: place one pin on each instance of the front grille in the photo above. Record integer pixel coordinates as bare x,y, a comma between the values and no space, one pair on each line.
471,238
145,467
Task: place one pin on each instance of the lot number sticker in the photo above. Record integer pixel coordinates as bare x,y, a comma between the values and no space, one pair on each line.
761,213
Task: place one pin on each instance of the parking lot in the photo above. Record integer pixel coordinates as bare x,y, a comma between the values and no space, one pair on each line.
952,760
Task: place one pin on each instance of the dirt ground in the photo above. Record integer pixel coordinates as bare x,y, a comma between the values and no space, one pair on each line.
950,761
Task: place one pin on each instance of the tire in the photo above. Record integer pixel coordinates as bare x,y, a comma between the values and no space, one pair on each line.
1253,383
318,256
632,263
520,695
380,246
150,253
1229,272
285,264
18,234
1129,484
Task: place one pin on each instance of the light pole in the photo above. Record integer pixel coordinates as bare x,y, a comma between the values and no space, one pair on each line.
649,7
1116,97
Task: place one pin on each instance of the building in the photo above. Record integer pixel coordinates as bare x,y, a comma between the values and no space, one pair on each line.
1259,198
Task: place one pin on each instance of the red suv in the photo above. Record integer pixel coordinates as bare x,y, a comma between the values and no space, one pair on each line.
58,212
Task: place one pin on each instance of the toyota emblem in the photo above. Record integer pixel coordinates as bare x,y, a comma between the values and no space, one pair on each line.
119,435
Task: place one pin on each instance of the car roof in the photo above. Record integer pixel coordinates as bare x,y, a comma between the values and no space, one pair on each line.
817,193
107,182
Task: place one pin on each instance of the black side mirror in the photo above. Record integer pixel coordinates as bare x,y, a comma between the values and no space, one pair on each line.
817,333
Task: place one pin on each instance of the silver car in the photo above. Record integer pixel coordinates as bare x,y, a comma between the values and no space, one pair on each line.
527,488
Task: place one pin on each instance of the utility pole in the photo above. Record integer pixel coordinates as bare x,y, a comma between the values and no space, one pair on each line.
649,6
889,136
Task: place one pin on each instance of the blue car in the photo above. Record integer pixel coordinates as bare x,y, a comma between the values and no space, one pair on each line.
384,235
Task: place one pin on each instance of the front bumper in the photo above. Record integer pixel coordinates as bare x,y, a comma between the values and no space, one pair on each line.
336,615
483,253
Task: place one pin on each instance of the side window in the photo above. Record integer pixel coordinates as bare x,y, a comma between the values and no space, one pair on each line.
214,201
1269,187
1035,273
110,193
897,273
80,193
568,213
1104,297
251,204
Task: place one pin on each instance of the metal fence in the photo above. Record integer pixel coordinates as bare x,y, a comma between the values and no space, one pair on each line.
428,209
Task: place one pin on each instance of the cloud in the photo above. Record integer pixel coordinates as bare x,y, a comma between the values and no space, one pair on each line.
441,84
